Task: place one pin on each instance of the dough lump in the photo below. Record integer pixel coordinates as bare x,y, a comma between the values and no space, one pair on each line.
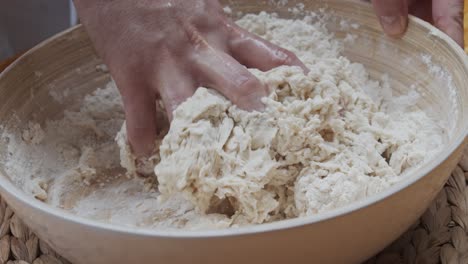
322,142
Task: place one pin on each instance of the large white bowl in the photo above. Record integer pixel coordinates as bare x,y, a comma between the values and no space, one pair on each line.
347,235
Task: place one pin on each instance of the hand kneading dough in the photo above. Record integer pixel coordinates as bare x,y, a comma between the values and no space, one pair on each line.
321,143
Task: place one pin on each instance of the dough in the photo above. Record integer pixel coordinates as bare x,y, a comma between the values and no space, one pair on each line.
321,143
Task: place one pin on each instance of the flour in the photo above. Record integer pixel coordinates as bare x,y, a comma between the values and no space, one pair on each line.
325,140
33,134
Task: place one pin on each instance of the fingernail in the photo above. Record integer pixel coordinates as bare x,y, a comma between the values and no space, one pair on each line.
259,106
393,25
254,101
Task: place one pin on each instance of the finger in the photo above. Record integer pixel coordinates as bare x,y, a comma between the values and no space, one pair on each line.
174,86
393,16
448,17
255,52
140,116
220,71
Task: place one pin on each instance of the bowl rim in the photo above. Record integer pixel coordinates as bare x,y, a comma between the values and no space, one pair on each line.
8,188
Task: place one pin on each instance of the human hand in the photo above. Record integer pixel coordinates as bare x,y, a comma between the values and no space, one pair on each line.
447,15
169,48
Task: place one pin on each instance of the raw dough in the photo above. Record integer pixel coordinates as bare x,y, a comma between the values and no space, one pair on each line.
321,143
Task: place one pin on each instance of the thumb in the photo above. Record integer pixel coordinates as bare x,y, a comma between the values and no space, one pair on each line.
448,17
140,116
393,16
140,113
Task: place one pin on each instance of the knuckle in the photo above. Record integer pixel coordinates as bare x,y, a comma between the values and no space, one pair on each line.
194,37
443,22
448,21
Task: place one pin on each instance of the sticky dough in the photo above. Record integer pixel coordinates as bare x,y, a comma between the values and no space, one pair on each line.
321,143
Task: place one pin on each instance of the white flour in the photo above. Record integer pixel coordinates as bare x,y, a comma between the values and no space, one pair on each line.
325,140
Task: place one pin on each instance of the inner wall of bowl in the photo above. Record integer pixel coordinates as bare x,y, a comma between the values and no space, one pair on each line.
411,67
52,77
421,61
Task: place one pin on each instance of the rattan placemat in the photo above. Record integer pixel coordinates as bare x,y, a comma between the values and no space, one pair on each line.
440,235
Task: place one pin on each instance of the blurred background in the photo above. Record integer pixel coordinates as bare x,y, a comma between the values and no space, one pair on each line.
25,23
